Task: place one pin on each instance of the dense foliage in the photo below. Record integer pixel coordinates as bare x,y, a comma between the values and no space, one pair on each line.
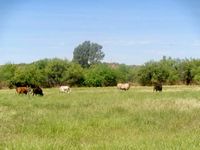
56,72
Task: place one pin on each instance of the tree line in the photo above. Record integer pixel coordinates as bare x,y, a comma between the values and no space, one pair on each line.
86,69
56,72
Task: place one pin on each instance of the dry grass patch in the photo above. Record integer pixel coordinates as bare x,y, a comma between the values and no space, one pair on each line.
187,104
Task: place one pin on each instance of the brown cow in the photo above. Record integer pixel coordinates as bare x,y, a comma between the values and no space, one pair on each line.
22,90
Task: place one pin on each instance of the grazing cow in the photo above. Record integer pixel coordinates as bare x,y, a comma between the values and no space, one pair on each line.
123,86
23,90
65,89
157,87
37,91
119,85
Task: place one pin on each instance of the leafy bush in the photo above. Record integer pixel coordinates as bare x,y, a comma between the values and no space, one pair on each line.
100,75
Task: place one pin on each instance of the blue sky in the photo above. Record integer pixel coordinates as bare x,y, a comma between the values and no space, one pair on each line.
130,31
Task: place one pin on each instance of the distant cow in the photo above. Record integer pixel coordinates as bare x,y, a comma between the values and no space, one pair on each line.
157,87
123,86
65,89
23,90
37,91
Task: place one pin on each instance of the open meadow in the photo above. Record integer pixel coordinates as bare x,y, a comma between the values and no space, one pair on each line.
102,118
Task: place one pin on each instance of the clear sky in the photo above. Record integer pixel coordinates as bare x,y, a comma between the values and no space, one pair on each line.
130,31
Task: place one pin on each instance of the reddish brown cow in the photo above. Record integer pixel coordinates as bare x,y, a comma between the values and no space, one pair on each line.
22,90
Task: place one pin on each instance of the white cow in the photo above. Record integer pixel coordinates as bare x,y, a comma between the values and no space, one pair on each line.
119,85
65,89
123,86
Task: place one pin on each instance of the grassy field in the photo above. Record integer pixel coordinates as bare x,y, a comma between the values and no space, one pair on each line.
102,119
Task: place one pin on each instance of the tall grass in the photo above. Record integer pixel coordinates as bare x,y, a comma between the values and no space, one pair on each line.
101,118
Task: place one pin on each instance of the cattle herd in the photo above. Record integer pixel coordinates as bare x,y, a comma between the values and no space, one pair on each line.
125,86
36,90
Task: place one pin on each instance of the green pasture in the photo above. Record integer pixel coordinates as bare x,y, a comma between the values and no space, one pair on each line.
101,119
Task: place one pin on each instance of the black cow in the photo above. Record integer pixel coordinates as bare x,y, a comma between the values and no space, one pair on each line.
37,91
157,87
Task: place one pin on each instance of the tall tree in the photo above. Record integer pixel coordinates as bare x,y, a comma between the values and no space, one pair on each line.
88,53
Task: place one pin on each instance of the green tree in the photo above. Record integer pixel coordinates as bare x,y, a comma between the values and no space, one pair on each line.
195,71
55,72
74,75
153,72
145,74
100,75
171,67
7,71
88,53
124,73
185,71
26,75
